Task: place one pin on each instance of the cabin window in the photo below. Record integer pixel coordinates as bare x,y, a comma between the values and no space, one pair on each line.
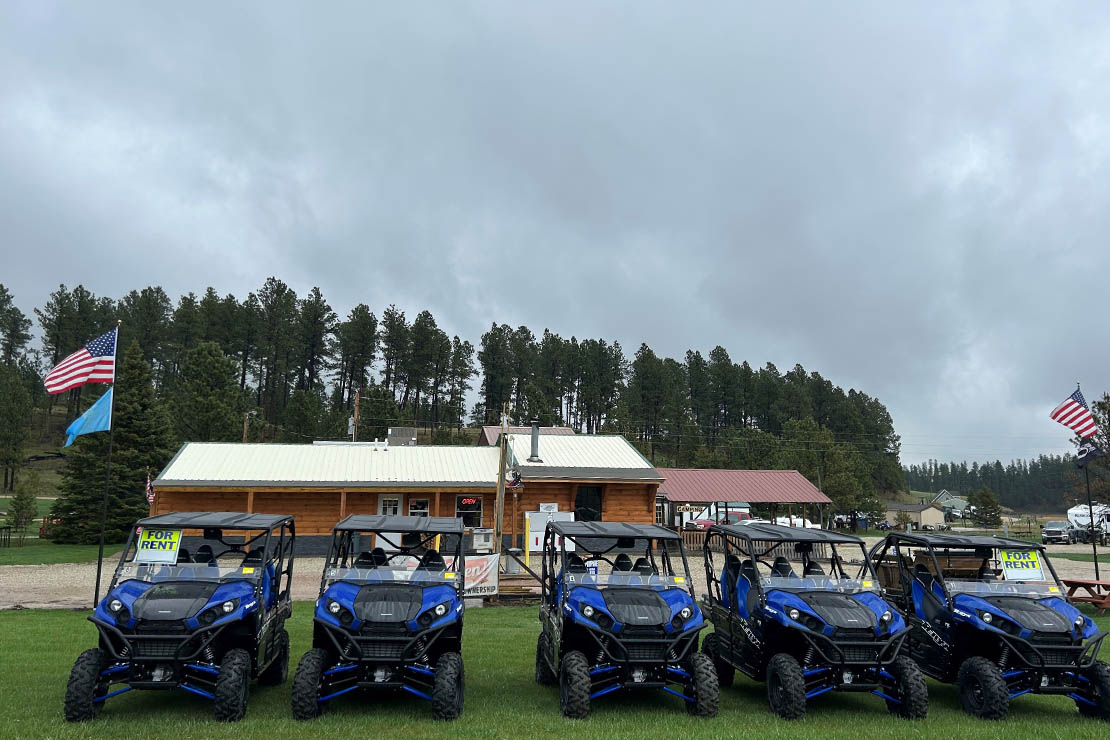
587,504
469,508
418,507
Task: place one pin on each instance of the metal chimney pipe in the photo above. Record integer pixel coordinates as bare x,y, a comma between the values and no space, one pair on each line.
535,456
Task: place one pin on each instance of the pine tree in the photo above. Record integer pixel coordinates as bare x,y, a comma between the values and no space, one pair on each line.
987,512
14,329
23,506
143,443
15,416
207,402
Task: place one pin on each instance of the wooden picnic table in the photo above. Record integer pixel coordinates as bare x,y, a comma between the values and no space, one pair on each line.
1097,592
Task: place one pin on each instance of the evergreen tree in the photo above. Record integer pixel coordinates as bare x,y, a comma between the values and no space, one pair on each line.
23,505
15,416
304,418
356,342
207,403
395,347
315,326
14,329
143,444
988,512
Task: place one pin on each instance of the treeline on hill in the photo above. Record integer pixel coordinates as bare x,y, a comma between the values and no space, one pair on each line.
290,367
1049,483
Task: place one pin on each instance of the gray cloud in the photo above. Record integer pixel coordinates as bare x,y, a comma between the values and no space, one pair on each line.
911,201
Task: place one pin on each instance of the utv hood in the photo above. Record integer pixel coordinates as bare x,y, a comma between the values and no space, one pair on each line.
171,601
840,610
388,602
637,607
1031,614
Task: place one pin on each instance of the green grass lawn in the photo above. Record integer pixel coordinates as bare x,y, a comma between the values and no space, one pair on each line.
502,699
44,505
44,552
1083,557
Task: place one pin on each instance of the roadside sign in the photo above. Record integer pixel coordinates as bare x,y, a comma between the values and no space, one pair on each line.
158,546
1021,565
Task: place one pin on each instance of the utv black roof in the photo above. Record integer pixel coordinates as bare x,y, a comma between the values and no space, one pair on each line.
779,533
215,520
376,523
959,540
612,529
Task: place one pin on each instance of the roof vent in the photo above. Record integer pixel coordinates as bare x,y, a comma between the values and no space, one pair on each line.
535,456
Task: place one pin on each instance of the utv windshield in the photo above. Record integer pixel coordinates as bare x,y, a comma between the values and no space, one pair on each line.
626,562
375,557
820,583
155,556
1040,589
155,573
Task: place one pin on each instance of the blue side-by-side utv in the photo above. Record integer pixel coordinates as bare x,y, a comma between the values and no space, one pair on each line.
206,621
389,614
801,609
618,612
990,615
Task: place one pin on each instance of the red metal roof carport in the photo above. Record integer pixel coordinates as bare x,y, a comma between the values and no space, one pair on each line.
718,486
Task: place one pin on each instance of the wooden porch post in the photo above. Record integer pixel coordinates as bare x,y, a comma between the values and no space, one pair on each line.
342,504
250,500
438,512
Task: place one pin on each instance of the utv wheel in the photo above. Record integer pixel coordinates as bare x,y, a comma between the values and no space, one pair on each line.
447,694
276,673
306,684
574,685
544,675
910,687
702,687
786,687
713,646
84,686
1099,693
983,691
233,686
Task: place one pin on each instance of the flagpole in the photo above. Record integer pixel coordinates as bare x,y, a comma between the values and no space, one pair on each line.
108,467
1091,519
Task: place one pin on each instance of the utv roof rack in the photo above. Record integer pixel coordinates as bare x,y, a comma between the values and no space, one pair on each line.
780,533
215,520
378,523
613,529
960,540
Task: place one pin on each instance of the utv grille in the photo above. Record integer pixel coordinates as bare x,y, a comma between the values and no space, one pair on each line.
1056,638
156,648
859,654
372,650
633,632
1051,656
855,633
161,627
646,652
383,628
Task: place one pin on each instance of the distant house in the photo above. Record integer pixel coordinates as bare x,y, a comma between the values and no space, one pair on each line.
489,435
919,514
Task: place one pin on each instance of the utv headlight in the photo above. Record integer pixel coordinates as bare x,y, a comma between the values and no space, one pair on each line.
208,617
987,617
440,610
1080,621
334,607
686,613
886,617
587,611
228,607
794,614
115,605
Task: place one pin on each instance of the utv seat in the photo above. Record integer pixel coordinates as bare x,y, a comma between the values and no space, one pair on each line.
812,570
432,560
183,556
365,559
575,564
782,569
925,600
622,562
747,592
643,567
729,576
987,574
378,557
204,555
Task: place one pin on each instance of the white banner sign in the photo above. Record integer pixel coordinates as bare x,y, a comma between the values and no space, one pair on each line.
481,575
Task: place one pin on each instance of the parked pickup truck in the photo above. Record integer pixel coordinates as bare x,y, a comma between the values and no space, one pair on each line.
1060,532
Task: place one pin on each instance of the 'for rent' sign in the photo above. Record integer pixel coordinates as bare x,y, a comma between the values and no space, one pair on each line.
1021,565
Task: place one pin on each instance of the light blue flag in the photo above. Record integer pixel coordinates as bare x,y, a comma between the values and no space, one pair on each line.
97,419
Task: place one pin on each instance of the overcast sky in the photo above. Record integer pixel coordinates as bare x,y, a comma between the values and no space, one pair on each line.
911,201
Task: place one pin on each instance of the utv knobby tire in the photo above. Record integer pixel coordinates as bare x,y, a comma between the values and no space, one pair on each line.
84,686
306,684
702,686
544,675
983,691
786,687
574,685
713,646
910,687
449,687
1099,676
278,671
233,686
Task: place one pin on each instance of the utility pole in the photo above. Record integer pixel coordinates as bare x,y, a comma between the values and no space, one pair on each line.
498,522
245,415
354,434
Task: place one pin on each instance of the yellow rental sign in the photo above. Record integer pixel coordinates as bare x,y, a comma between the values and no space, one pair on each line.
158,546
1021,565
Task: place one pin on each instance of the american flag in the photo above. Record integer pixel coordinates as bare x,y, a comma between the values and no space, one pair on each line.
93,363
149,490
1074,414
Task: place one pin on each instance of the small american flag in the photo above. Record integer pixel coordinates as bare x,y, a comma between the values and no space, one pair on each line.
1074,414
149,490
93,363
